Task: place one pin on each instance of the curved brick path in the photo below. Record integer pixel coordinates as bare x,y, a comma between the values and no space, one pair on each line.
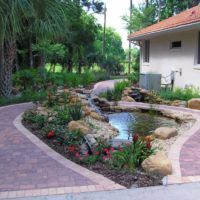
28,167
185,152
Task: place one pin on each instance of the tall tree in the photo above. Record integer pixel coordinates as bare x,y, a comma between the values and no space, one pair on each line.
46,19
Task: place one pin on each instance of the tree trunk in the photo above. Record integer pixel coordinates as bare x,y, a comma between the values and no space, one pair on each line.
41,60
147,3
6,69
30,52
69,65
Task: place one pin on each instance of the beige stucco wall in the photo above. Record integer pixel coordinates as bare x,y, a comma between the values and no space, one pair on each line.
163,59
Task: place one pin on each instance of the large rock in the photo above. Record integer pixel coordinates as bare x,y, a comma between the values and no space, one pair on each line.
86,110
79,125
96,116
165,133
128,99
194,103
157,164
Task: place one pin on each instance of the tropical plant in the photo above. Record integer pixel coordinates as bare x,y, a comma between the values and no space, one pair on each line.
130,156
46,18
75,111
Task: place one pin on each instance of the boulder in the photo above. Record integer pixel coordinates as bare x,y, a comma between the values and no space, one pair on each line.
194,103
79,125
104,102
165,133
86,110
157,164
84,102
128,99
150,138
96,116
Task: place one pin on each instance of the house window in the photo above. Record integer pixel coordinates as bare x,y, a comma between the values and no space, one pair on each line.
146,51
198,56
176,44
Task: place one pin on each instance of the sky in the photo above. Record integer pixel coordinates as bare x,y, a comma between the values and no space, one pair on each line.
115,10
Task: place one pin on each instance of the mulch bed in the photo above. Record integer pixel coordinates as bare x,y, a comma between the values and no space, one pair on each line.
137,179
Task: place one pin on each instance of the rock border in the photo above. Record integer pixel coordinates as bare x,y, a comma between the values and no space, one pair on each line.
174,153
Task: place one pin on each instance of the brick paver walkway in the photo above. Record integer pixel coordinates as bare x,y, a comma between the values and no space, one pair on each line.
185,153
28,167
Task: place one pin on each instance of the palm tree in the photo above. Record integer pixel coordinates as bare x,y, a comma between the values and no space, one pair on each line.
46,19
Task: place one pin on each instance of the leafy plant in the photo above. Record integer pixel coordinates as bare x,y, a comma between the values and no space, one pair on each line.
39,120
116,93
133,77
75,111
62,117
180,93
130,156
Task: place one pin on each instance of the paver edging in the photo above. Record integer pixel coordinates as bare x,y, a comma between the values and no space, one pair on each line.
102,183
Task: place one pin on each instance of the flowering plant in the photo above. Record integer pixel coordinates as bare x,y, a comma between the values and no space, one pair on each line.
51,134
129,156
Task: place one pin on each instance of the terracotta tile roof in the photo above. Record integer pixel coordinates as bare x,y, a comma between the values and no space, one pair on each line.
189,16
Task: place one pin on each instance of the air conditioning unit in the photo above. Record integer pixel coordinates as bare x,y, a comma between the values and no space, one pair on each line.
150,81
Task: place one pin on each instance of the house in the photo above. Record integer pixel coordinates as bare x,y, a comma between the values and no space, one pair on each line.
172,48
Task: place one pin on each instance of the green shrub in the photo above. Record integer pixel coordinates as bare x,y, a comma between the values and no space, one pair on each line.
70,138
25,78
62,117
26,96
130,156
100,76
39,120
180,93
133,77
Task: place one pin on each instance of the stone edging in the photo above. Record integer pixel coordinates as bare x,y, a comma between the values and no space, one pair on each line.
102,183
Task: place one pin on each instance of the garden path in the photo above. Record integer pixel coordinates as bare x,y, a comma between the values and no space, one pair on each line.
185,152
28,167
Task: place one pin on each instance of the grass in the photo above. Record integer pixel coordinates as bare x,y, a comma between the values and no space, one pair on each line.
184,94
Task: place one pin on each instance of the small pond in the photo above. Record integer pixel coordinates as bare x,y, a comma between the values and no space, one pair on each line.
142,123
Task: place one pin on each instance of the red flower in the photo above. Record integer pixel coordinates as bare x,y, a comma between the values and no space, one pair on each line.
86,155
106,150
51,134
148,145
71,149
121,149
96,153
135,138
112,149
77,155
104,158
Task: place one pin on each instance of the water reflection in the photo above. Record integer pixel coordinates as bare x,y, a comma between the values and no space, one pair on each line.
141,123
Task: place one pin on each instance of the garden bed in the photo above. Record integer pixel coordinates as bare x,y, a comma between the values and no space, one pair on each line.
138,178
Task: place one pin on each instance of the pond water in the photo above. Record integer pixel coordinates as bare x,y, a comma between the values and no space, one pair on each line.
138,122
